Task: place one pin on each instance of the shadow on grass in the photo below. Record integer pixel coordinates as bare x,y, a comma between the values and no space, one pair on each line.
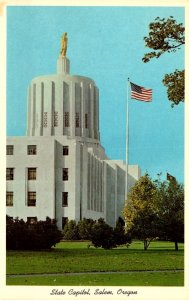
69,251
113,252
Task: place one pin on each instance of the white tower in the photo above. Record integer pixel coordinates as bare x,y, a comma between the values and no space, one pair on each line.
62,104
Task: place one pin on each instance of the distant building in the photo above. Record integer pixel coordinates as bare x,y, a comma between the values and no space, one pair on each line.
60,169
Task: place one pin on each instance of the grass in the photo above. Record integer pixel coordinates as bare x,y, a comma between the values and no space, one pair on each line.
72,257
130,279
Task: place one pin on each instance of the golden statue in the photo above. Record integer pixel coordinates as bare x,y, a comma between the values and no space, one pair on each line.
64,42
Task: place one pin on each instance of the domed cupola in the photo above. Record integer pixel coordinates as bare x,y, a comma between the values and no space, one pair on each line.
62,104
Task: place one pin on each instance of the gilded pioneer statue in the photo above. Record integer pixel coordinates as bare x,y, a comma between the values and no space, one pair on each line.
64,42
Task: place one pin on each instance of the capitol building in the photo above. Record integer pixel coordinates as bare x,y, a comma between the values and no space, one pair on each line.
60,169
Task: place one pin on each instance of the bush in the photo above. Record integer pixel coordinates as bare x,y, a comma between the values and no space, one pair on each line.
103,235
22,235
85,228
120,236
70,231
98,232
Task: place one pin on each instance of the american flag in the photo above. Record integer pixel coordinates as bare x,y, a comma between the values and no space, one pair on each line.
140,93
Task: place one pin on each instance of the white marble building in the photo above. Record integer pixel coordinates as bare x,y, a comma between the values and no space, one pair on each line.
60,169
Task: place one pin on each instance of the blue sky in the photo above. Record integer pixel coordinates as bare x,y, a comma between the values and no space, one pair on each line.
105,44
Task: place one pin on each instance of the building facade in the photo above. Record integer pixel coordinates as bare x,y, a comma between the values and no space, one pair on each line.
59,169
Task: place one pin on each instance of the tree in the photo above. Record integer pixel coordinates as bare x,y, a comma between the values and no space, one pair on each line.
102,235
120,236
85,228
170,209
140,211
98,232
175,86
70,231
165,35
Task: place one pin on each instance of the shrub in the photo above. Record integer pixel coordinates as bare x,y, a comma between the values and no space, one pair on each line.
98,232
22,235
70,231
103,235
85,229
120,236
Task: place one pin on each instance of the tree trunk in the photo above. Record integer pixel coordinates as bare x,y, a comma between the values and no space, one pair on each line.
145,245
176,246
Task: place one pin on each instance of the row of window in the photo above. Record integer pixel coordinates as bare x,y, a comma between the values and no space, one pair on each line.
32,174
32,150
66,119
31,200
77,120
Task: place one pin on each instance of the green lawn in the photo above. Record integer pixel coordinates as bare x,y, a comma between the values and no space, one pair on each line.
74,257
130,279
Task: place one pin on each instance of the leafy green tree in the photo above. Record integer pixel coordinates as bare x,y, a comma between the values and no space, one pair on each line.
165,35
85,228
175,86
140,211
170,209
102,235
70,231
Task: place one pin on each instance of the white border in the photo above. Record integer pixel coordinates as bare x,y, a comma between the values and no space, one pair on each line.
31,292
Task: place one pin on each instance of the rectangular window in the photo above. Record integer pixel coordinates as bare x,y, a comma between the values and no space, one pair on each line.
55,119
65,174
32,173
32,149
86,121
64,221
77,120
10,149
65,199
32,220
65,150
9,198
66,119
10,174
31,198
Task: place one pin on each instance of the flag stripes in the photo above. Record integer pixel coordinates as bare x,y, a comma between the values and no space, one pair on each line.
140,93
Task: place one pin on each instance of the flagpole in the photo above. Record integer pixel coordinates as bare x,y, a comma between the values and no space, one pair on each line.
127,142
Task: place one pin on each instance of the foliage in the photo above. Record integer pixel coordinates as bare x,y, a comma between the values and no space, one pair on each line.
85,228
120,236
140,211
22,235
70,231
175,86
102,235
170,209
98,232
156,209
165,35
